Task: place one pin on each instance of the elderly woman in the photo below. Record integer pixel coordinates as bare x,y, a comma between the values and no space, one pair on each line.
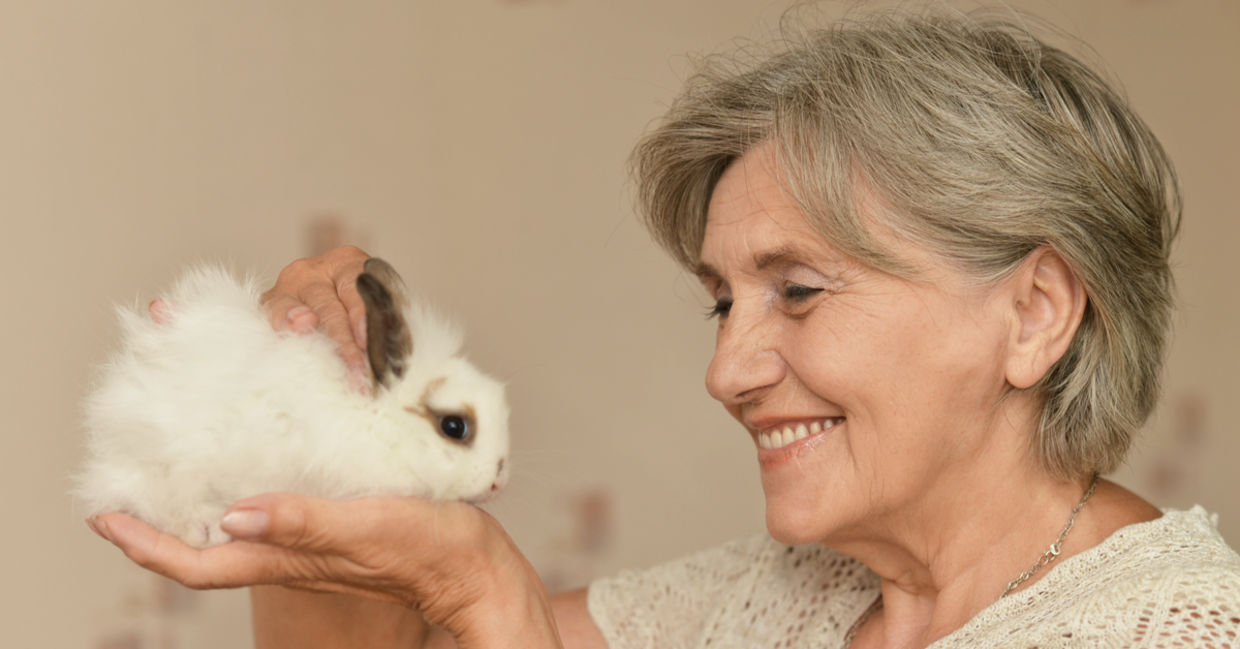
938,252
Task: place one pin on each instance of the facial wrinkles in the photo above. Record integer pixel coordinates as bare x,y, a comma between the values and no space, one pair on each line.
744,321
749,223
760,328
744,335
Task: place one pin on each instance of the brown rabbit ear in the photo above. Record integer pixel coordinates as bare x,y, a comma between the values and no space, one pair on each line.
388,342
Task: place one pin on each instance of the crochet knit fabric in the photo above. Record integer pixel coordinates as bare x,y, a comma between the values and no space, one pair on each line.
1170,582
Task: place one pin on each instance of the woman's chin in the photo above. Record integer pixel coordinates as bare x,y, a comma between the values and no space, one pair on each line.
803,502
798,520
787,535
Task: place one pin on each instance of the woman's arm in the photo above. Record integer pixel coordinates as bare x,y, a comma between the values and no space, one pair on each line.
576,627
285,618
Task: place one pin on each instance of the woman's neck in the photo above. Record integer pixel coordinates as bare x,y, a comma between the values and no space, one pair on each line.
950,550
953,553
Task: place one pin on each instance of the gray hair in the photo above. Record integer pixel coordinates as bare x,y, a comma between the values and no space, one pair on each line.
984,143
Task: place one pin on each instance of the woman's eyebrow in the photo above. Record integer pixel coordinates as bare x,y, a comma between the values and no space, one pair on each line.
705,271
781,256
785,255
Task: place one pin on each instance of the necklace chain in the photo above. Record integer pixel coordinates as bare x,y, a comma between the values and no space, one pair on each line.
1051,553
1056,547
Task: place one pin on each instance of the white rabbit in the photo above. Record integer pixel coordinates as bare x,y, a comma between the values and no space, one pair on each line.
211,405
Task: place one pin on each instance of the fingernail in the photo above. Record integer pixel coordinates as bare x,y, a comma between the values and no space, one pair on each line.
246,523
359,334
302,320
99,527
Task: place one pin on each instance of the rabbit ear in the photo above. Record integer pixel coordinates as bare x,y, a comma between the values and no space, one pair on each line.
388,342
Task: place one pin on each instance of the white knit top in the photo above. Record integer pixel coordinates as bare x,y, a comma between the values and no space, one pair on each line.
1170,582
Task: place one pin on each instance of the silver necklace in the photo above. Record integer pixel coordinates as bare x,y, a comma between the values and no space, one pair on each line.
1047,557
1056,547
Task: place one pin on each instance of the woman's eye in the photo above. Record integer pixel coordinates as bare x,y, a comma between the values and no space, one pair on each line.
721,308
798,293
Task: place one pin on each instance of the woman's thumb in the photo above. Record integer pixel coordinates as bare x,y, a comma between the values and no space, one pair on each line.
285,520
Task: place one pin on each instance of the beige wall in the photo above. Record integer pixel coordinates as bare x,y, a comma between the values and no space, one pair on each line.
479,145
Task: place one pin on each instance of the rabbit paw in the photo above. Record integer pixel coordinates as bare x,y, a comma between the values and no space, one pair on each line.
214,535
203,531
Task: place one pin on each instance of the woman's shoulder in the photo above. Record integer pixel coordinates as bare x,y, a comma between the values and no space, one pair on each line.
1172,581
666,605
1179,540
1169,563
755,560
721,563
1179,562
744,589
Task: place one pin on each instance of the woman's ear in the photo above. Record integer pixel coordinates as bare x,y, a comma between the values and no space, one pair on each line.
1049,302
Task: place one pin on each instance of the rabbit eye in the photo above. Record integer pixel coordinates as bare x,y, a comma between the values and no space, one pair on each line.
455,427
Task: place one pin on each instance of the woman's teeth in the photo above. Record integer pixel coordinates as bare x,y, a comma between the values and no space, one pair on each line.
781,437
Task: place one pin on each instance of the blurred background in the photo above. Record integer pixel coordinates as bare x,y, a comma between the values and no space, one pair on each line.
480,146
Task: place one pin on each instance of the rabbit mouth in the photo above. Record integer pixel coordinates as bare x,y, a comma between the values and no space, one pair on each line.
486,496
501,479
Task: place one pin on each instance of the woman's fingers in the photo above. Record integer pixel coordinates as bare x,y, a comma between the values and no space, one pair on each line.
355,306
341,527
291,521
321,292
328,301
158,309
223,566
405,547
288,312
391,549
450,561
231,565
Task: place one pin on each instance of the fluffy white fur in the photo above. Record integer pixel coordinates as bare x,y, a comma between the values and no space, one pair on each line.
213,406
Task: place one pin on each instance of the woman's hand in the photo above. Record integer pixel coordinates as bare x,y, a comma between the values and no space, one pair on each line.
322,291
449,560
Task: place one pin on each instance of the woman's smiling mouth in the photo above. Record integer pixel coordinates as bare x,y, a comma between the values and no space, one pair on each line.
781,436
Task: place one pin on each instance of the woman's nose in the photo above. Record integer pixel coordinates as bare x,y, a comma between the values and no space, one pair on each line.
745,366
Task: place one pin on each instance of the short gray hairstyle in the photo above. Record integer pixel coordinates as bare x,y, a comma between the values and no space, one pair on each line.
984,143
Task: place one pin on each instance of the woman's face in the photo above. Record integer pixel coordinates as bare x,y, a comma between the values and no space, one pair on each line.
858,388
